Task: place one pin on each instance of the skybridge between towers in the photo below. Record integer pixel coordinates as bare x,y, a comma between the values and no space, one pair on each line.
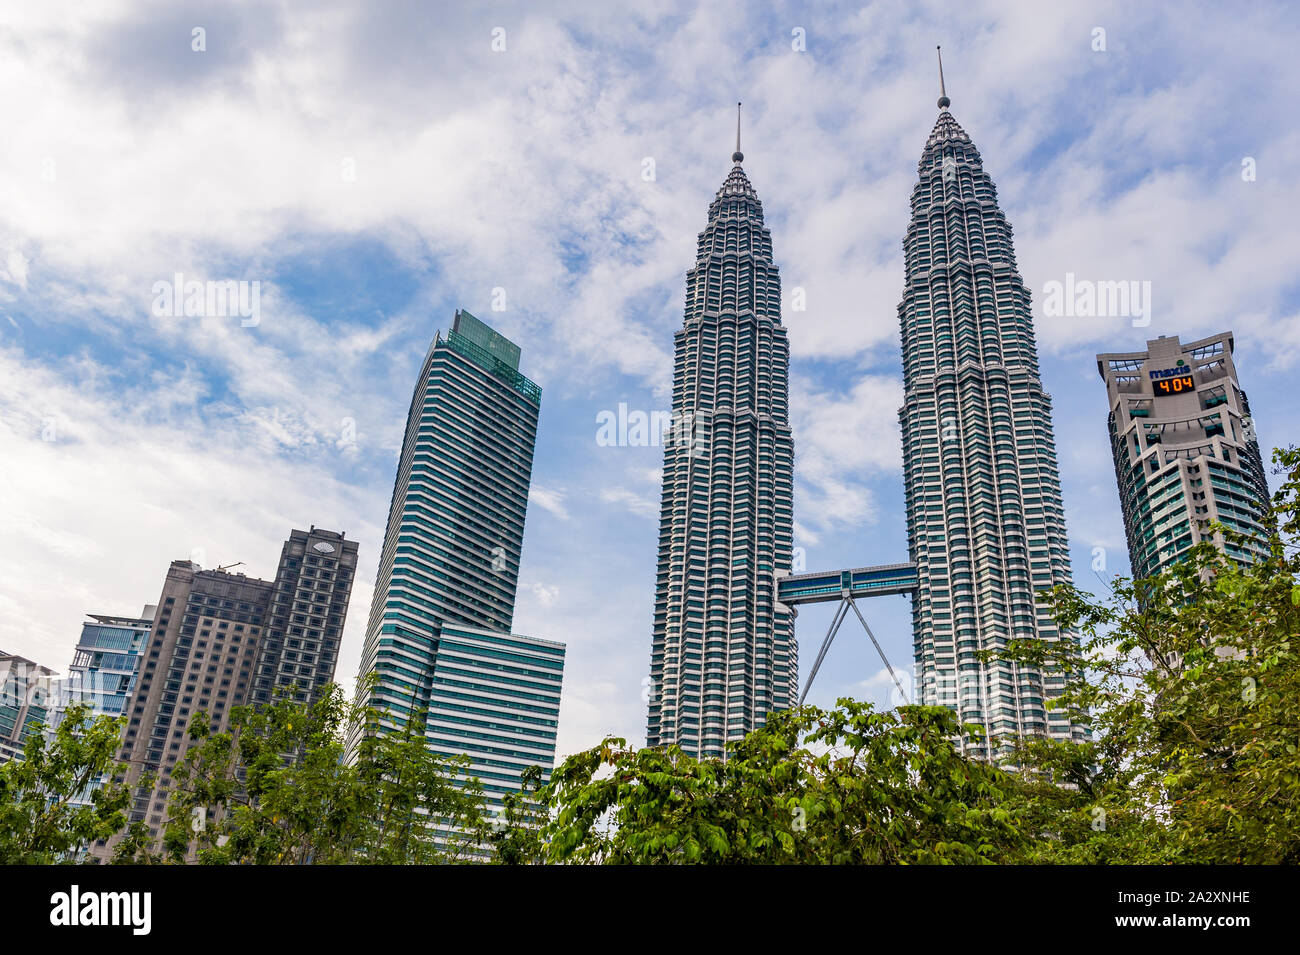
846,586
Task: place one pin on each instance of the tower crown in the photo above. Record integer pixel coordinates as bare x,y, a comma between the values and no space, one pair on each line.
737,184
946,130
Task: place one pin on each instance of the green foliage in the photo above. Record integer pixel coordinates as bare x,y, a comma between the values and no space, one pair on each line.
417,807
515,834
1188,679
39,821
845,786
275,791
1191,678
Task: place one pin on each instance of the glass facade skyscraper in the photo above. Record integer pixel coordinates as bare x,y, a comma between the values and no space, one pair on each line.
496,698
104,665
986,525
27,691
438,639
723,653
1185,450
103,672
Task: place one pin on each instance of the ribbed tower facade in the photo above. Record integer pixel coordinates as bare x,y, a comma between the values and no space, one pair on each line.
724,654
986,526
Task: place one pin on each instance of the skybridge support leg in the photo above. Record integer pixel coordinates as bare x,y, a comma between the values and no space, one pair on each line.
879,650
840,613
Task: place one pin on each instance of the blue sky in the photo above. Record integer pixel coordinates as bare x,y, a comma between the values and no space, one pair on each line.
376,166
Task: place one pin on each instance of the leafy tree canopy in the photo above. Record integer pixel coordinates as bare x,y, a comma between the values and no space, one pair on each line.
47,812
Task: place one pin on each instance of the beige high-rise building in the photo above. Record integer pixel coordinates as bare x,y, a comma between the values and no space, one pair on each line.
1185,450
222,640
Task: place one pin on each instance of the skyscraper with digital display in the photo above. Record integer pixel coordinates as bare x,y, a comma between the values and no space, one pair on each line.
723,653
304,623
986,525
1185,450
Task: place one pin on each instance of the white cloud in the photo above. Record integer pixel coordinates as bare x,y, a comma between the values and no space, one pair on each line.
546,596
15,269
552,499
116,493
842,440
642,505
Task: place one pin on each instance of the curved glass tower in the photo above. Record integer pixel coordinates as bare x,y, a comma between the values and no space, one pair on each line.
439,638
986,526
724,653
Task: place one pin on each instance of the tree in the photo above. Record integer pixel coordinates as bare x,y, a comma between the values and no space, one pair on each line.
419,807
49,812
848,785
1191,678
515,834
275,791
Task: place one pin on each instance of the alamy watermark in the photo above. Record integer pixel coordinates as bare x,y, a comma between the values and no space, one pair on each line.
77,908
227,298
1085,298
626,428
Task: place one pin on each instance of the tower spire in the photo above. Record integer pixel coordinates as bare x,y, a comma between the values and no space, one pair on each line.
737,157
944,102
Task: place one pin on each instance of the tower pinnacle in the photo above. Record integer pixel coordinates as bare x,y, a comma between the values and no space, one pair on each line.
737,157
944,102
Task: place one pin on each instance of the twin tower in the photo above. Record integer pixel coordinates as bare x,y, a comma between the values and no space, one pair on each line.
986,526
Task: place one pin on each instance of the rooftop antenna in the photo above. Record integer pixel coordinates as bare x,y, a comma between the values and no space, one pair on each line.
228,566
737,157
944,102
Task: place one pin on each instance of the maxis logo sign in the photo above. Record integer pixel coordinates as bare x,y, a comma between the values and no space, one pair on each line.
1172,381
74,907
1169,372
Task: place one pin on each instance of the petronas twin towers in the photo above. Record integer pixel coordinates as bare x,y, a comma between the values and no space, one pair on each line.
986,527
724,654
